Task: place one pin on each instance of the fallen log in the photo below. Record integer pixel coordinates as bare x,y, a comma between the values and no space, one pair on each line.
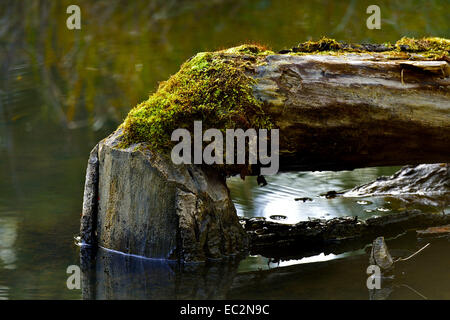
427,184
346,112
432,180
337,106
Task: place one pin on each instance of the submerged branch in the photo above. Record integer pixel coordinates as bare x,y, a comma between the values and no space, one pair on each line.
415,253
336,235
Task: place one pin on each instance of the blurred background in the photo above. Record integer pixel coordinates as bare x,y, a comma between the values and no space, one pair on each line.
63,90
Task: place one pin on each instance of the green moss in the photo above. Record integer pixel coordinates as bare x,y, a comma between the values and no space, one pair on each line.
324,44
431,48
214,87
405,48
424,44
249,49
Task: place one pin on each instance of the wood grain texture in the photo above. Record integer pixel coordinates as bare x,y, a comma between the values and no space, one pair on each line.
346,111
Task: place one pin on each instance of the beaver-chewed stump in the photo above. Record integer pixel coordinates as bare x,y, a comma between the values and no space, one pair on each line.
337,106
147,206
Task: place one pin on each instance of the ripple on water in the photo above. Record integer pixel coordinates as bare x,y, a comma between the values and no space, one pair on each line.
364,202
4,292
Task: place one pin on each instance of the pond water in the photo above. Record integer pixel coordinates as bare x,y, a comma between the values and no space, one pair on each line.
61,91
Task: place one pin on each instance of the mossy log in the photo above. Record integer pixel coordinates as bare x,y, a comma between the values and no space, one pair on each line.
338,106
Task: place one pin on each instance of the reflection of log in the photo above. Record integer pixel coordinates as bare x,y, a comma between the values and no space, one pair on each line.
439,231
352,111
337,235
345,278
115,276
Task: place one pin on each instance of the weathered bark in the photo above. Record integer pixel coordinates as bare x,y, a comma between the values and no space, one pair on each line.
380,255
88,225
432,180
349,111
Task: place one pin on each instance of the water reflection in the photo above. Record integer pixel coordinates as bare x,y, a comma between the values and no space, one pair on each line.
112,275
280,195
116,276
8,236
299,196
4,293
257,262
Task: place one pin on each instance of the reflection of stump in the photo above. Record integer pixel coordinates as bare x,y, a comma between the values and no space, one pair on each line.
87,263
148,206
380,255
116,276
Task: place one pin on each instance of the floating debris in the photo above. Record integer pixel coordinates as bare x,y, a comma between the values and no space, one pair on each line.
278,217
304,199
434,231
261,181
331,194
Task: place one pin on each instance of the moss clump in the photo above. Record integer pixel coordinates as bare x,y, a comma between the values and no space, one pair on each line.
434,48
424,44
405,48
324,44
249,49
214,87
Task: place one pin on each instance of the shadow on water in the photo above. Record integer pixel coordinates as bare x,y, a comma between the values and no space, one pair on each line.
116,276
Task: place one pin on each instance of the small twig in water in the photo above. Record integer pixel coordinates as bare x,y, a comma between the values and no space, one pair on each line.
404,259
415,291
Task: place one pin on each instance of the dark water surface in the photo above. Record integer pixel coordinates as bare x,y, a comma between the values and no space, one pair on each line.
61,91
